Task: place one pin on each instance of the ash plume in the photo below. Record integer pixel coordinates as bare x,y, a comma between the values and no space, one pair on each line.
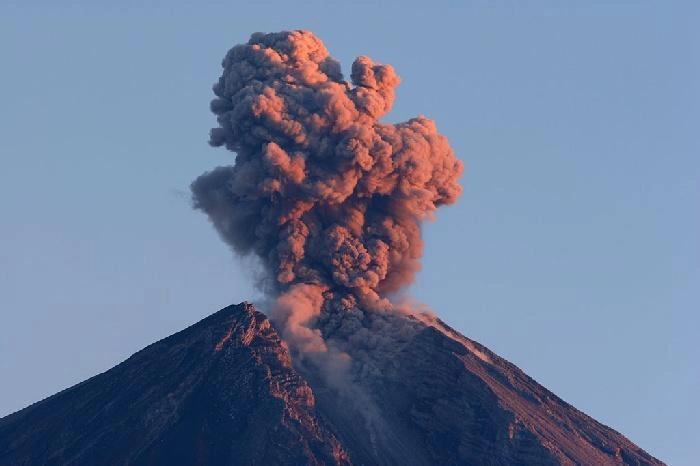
328,198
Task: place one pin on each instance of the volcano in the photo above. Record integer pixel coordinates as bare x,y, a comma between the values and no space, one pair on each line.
225,392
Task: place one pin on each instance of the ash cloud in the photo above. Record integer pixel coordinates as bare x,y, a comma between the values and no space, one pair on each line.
328,198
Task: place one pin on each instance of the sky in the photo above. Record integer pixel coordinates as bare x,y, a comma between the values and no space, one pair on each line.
573,252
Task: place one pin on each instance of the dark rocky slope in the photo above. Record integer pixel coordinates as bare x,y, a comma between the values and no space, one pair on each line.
220,392
224,391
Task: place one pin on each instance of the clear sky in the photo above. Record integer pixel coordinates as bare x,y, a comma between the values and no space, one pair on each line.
573,252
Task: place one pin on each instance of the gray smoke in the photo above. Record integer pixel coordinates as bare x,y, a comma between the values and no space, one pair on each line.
327,197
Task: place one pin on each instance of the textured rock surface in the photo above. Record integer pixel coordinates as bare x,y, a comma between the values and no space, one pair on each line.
223,391
466,405
220,392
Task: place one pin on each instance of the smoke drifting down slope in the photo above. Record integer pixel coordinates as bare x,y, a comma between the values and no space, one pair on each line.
326,196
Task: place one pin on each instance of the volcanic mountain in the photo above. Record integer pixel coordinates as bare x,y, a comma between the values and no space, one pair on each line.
225,392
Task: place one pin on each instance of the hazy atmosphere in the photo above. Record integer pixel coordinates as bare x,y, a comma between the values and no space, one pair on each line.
572,251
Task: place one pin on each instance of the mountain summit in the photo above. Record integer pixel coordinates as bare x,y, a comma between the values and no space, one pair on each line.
224,392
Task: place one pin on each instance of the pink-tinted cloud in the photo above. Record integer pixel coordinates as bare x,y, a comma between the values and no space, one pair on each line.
328,197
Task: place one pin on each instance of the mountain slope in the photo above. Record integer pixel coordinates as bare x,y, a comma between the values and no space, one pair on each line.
220,392
224,391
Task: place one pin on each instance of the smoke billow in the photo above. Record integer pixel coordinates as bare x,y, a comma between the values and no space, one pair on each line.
329,198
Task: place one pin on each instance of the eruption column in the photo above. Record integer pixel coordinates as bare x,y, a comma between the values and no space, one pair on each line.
327,197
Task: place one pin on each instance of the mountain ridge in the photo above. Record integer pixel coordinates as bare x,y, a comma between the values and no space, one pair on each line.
225,391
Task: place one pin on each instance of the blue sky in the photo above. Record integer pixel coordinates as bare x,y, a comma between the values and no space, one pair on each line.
573,251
